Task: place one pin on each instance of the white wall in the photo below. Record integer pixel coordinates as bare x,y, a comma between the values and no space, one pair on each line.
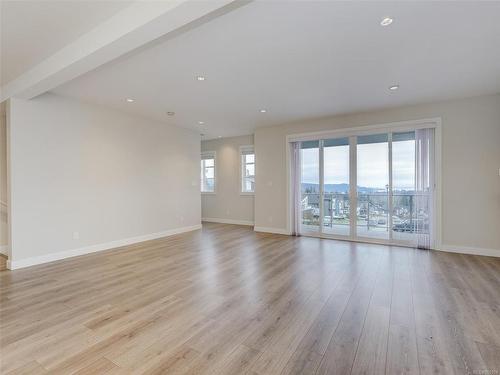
228,204
76,167
3,182
470,167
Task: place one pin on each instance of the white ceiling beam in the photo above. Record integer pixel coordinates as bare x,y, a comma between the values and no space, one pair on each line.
140,23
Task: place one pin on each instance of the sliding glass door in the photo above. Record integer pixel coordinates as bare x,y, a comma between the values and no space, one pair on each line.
373,186
403,186
367,187
310,187
325,187
336,202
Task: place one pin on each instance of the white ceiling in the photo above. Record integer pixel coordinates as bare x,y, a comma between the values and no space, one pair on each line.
31,31
304,59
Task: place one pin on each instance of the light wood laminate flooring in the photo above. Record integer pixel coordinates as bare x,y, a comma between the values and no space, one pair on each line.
227,300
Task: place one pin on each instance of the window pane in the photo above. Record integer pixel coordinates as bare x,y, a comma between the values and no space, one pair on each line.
373,186
309,144
373,215
250,170
403,162
310,185
209,172
201,176
373,138
404,217
310,166
336,205
336,168
336,142
249,184
247,171
210,184
250,158
406,136
373,165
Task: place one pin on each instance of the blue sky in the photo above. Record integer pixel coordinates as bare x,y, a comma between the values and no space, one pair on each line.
373,170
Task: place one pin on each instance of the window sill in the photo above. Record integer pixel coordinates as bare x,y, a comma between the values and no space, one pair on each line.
208,193
251,194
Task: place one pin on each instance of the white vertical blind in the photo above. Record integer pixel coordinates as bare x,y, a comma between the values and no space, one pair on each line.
296,179
424,188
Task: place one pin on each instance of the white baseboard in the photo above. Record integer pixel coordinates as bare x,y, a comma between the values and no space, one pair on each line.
4,250
470,250
227,221
272,230
16,264
448,248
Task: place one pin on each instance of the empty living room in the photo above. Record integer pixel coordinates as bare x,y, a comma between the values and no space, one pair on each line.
249,187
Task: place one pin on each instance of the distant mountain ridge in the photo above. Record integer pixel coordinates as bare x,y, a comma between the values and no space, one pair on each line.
344,188
335,188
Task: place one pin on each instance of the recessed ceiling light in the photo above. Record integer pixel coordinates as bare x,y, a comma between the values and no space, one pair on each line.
393,87
130,100
263,110
200,78
170,113
201,122
386,21
220,136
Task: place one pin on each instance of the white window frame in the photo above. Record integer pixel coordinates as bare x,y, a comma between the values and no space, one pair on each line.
355,131
208,155
243,149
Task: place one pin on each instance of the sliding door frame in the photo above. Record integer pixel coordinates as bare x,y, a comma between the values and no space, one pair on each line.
390,203
352,133
353,183
321,186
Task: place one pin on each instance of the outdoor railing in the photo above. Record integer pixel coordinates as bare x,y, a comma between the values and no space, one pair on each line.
372,211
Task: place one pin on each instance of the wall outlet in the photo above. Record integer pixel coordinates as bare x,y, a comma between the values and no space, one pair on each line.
76,235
